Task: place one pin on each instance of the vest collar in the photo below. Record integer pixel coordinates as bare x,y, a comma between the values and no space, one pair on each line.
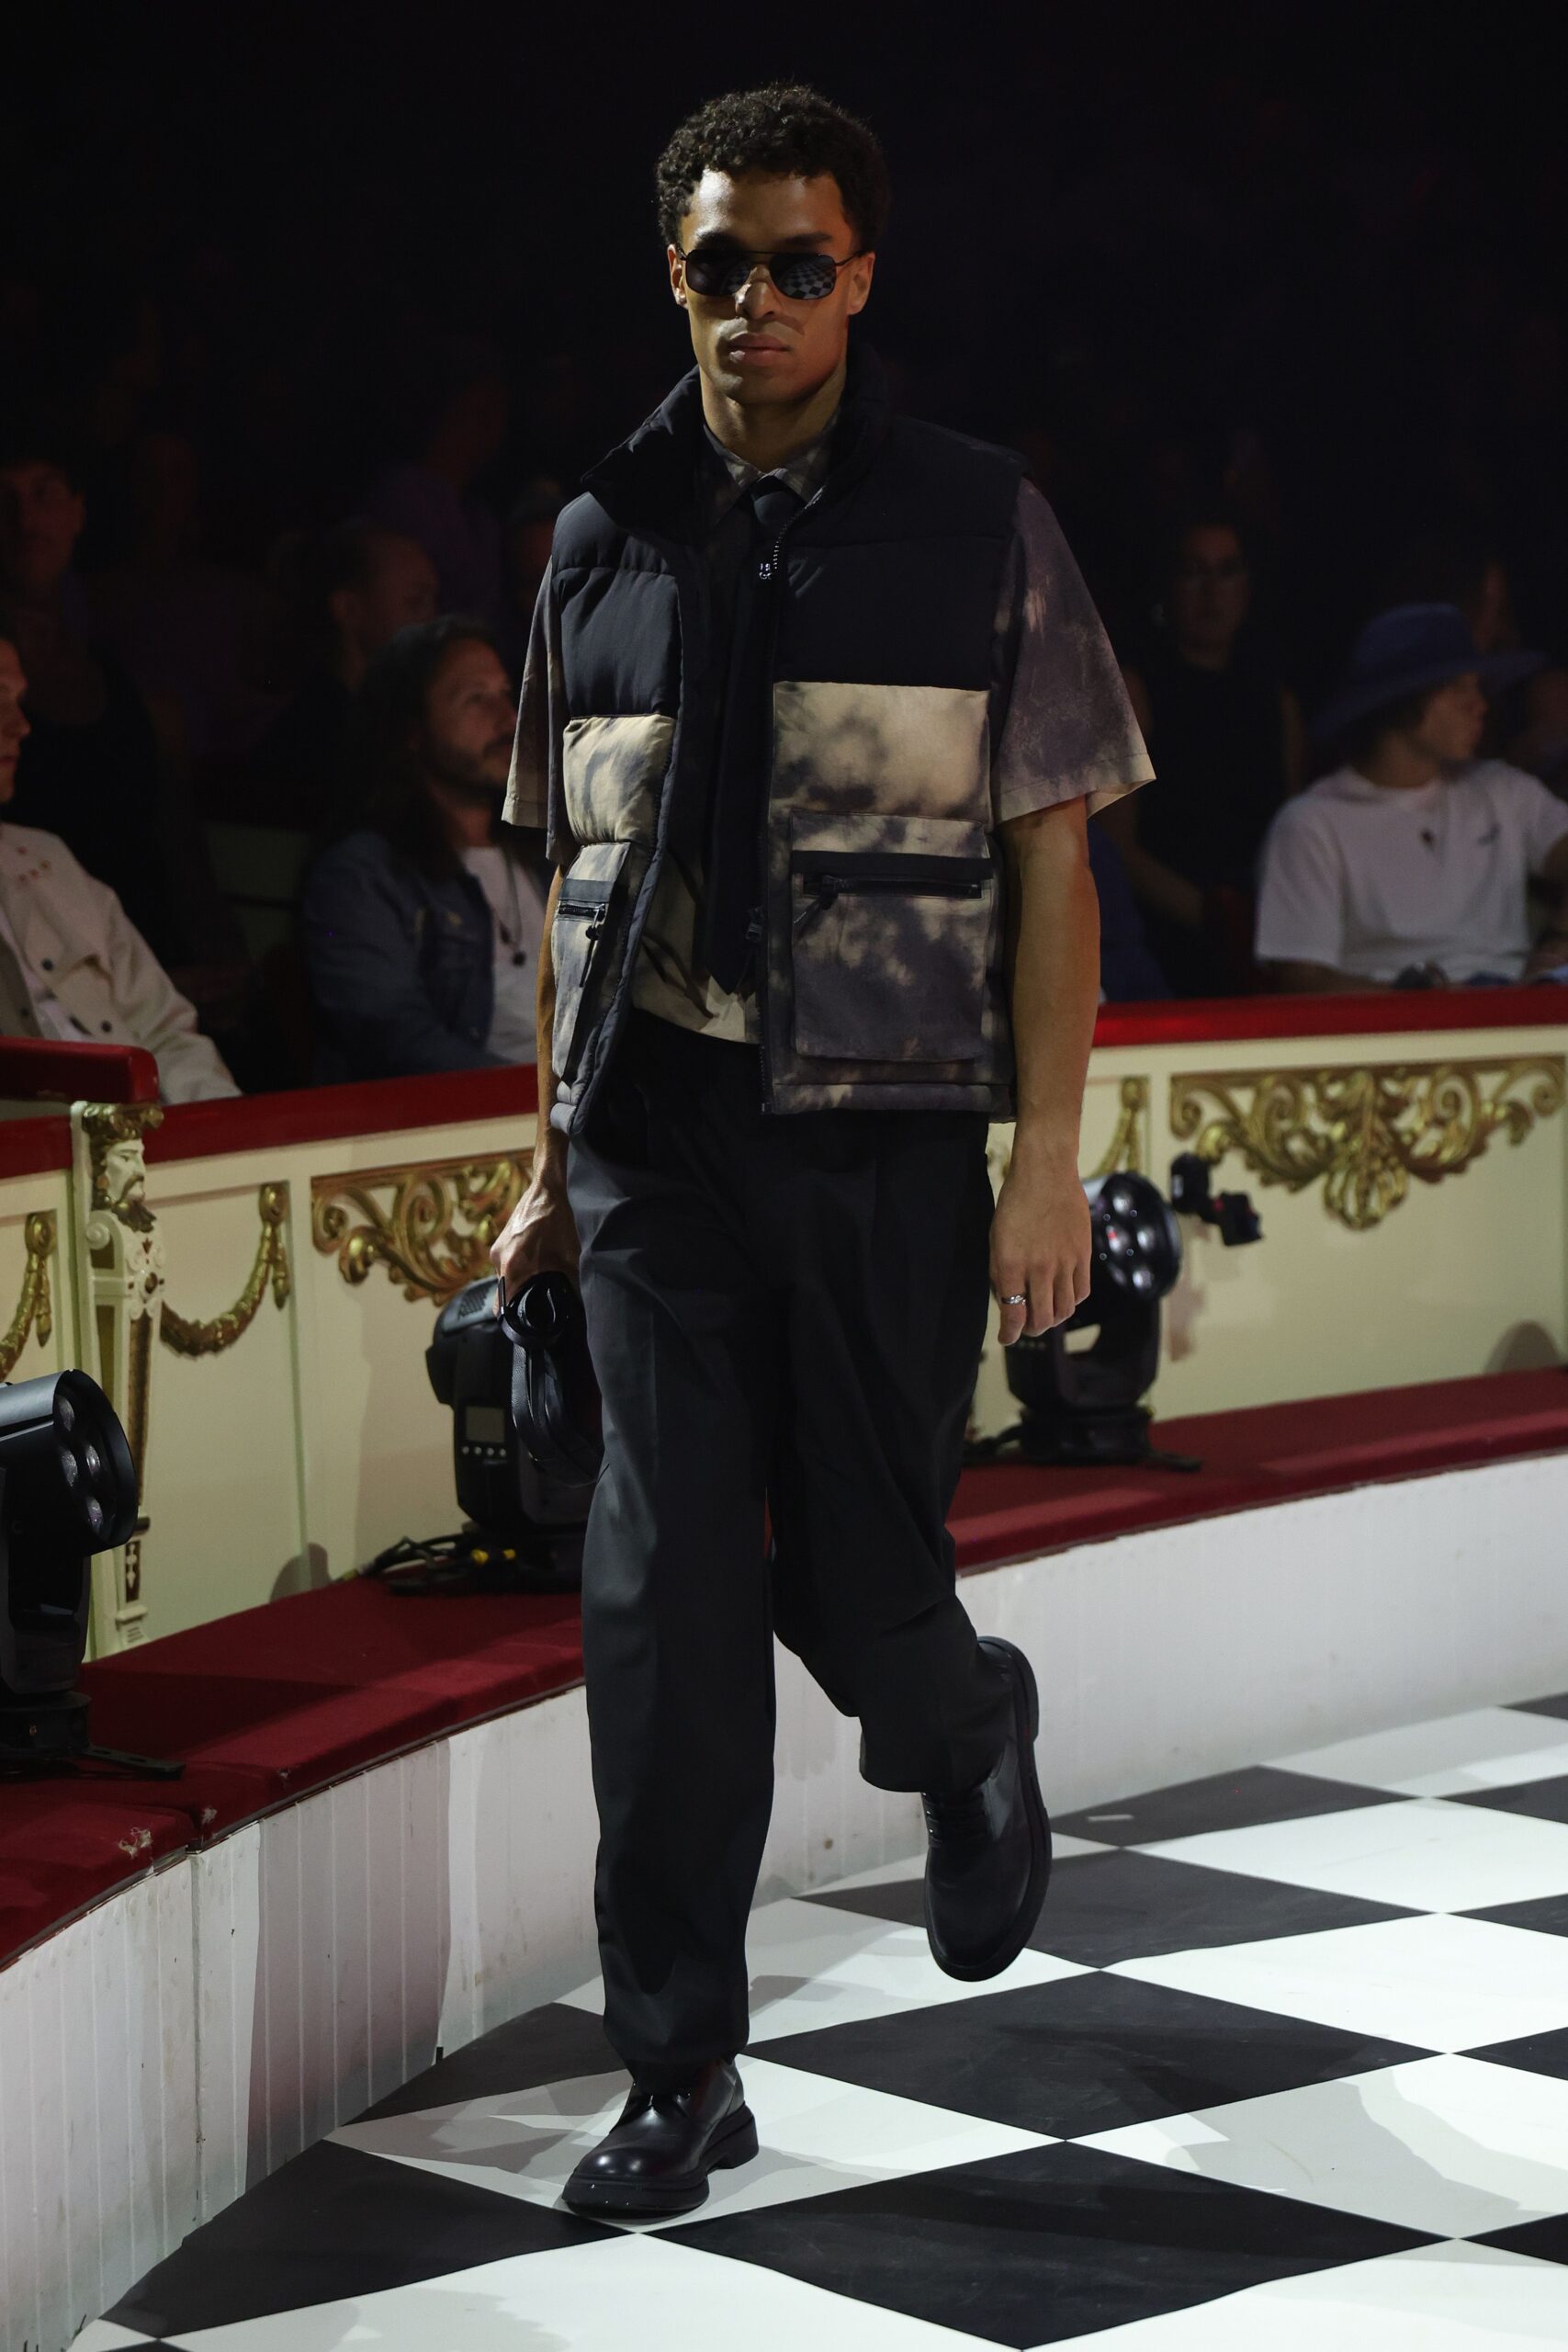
646,483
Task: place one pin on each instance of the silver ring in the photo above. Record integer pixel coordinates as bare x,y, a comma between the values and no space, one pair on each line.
1016,1298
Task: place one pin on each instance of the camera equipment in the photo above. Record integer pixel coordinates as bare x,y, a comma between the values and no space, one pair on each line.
67,1489
1082,1406
526,1442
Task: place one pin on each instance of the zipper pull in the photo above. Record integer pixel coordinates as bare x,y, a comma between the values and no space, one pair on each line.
755,926
821,898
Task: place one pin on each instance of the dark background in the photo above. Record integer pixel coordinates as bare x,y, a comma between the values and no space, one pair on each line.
1305,254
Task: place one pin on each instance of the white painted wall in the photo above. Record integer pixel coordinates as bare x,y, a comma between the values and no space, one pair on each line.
197,2031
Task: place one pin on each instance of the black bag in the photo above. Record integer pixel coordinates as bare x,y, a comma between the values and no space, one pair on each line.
554,1396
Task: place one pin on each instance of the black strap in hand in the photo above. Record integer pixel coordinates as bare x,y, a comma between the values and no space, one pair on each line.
732,880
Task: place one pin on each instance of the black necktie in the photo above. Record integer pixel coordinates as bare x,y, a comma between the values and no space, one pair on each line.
732,879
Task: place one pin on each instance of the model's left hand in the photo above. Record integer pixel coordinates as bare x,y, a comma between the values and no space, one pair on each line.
1039,1244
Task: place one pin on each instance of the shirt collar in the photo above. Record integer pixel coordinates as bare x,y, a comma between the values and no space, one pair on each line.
804,472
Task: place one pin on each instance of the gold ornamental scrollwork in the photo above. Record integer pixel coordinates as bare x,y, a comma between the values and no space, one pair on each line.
35,1307
434,1233
1365,1132
1125,1150
271,1269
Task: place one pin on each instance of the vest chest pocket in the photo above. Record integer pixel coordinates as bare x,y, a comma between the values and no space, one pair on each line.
590,911
890,927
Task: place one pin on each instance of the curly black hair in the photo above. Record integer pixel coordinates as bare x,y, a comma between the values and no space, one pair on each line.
786,128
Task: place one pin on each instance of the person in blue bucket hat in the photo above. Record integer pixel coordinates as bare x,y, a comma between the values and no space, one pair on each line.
1408,865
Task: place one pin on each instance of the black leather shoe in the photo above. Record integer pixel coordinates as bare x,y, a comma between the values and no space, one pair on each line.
988,1857
658,2158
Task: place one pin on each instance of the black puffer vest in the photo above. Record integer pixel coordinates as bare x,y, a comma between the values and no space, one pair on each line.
880,978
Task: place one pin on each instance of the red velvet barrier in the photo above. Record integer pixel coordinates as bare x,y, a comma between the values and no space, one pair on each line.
41,1069
272,1703
65,1845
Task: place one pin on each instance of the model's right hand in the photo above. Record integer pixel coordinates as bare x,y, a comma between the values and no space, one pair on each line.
539,1237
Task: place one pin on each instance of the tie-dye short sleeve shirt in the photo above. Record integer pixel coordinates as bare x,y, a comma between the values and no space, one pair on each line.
1067,733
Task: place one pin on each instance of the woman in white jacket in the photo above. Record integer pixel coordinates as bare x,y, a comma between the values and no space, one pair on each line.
73,965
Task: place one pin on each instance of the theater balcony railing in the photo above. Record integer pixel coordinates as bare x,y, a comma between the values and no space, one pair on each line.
254,1281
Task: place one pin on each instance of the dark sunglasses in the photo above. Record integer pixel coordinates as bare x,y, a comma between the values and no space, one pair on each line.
799,277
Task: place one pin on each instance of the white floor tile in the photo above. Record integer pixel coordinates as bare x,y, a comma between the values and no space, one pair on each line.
1490,1748
1433,2298
814,1966
1438,1983
1432,1856
1446,2145
103,2335
652,2293
817,2135
885,1874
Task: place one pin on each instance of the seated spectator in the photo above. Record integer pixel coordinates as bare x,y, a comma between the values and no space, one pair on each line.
360,585
1527,723
460,425
1227,742
72,966
421,925
89,770
1408,865
1128,970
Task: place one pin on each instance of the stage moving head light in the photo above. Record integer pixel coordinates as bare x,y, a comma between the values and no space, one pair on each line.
526,1435
1083,1406
67,1489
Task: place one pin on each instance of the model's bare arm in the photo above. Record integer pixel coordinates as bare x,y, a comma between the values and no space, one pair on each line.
1040,1235
540,1236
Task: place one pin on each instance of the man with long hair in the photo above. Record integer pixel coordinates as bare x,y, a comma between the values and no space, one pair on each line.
813,709
420,923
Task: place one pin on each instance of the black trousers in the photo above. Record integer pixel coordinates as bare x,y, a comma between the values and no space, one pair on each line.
788,1312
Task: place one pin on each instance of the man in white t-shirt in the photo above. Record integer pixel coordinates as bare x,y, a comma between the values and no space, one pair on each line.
1409,865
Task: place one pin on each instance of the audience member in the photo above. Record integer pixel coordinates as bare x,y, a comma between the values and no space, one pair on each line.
190,632
1227,739
461,426
359,584
1409,865
72,966
422,924
1527,723
89,770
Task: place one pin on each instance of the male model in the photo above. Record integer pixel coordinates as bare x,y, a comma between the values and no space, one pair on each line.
815,707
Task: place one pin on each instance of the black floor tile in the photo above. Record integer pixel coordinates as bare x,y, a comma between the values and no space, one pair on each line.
549,2045
1547,2241
1050,2243
1541,1800
1127,1905
1545,1914
1226,1801
1556,1706
1538,2053
335,2223
1089,2054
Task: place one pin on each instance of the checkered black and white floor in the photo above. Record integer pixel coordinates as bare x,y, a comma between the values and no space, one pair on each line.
1287,2066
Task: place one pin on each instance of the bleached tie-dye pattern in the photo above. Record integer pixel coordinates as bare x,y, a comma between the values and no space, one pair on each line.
900,771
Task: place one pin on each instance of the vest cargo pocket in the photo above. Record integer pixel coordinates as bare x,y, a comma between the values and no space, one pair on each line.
890,921
580,939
